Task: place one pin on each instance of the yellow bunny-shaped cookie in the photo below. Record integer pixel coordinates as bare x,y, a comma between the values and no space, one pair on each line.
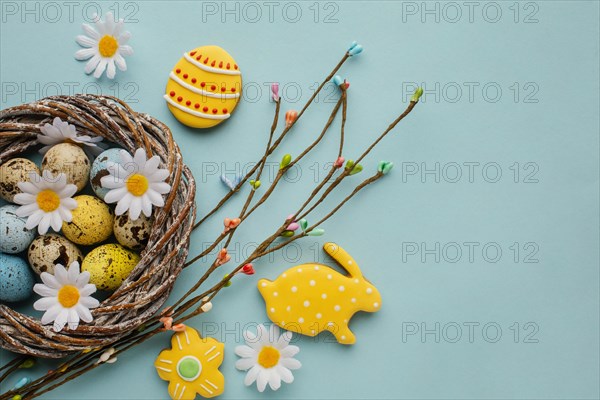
311,298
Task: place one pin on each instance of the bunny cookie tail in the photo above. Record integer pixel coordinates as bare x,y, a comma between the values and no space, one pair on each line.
343,258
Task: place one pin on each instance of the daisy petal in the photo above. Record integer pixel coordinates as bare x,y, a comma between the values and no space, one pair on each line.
124,37
261,381
100,68
56,221
252,375
111,70
135,208
245,351
34,219
155,198
125,50
61,320
285,374
61,275
67,191
115,195
44,290
289,351
151,165
50,281
50,315
84,313
92,64
123,204
29,207
45,303
81,55
146,206
87,290
120,61
159,175
290,363
73,273
73,318
44,224
139,158
284,340
274,380
244,364
91,32
160,187
273,333
82,280
86,42
89,302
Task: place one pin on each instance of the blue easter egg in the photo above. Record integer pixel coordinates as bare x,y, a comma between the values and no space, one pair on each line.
100,169
16,279
15,237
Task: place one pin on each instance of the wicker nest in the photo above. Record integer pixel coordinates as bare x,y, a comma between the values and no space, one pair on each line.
145,291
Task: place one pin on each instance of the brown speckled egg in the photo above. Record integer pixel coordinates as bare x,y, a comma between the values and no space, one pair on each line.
12,172
92,221
132,234
109,265
69,159
48,250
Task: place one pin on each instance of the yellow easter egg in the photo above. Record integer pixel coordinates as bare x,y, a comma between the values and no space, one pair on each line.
92,221
109,265
204,87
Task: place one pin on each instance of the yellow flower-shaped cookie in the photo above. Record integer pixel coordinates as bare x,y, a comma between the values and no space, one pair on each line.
192,366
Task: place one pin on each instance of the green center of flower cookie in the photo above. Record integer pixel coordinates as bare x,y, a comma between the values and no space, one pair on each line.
189,368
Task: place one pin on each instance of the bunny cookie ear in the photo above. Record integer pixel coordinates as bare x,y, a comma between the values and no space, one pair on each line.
343,258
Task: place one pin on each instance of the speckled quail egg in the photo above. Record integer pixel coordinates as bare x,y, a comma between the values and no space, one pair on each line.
109,265
69,159
48,250
132,234
12,172
92,221
100,169
16,279
14,236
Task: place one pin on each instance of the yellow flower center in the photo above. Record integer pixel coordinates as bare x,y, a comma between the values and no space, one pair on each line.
137,184
48,200
268,357
68,296
108,46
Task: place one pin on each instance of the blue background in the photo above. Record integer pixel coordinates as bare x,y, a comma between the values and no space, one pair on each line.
533,70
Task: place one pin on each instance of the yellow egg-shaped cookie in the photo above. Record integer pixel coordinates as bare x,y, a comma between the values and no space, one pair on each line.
204,87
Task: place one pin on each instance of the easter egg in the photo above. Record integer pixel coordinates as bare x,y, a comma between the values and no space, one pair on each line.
48,250
132,234
100,169
16,279
109,265
14,236
204,87
69,159
12,172
92,221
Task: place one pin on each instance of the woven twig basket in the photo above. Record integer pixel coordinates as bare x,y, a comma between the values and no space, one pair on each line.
145,291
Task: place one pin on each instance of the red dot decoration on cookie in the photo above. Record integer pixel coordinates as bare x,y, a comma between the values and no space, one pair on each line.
205,109
193,80
223,89
232,90
193,53
172,93
213,87
185,76
196,105
187,103
215,111
224,111
179,98
203,84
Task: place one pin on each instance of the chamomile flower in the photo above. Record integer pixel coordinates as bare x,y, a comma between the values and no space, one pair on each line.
136,184
66,297
46,201
268,358
61,132
105,47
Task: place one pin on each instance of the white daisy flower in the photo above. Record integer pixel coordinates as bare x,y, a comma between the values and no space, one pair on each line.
61,132
106,45
136,184
268,358
46,201
65,297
